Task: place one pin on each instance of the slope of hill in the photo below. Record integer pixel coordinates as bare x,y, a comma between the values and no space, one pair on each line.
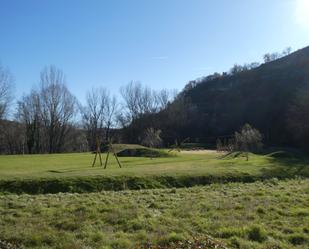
260,96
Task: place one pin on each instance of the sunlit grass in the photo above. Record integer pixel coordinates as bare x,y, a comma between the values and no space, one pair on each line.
254,215
79,164
73,172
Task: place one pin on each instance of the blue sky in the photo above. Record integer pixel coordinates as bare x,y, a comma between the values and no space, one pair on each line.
162,43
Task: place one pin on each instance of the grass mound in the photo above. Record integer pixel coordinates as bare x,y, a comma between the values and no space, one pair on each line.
142,152
234,154
281,154
119,147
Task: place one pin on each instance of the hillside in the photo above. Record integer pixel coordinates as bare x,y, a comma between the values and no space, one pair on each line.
261,96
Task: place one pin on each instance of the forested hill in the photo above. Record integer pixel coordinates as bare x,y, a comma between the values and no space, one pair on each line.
272,97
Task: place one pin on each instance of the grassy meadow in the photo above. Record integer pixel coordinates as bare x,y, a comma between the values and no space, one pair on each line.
270,214
60,201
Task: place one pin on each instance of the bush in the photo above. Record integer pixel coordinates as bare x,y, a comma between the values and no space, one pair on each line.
297,239
256,233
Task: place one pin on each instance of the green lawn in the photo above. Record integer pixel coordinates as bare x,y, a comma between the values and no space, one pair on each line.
79,164
269,214
41,173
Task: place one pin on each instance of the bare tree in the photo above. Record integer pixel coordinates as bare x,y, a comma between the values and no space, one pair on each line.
152,138
248,139
148,101
98,115
29,115
237,69
92,115
110,111
219,145
58,108
139,100
131,94
6,83
287,51
271,57
163,97
11,138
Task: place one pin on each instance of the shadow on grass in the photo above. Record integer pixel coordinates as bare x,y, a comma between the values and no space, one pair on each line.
280,164
287,164
54,171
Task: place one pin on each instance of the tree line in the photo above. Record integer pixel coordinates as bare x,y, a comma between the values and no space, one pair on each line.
50,119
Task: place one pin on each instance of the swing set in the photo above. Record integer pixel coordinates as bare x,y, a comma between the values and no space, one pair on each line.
110,149
178,145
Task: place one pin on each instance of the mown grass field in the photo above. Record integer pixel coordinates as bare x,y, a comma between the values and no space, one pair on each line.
242,215
79,164
73,172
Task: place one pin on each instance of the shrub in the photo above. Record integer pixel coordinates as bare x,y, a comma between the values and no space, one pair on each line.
256,233
260,210
297,239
